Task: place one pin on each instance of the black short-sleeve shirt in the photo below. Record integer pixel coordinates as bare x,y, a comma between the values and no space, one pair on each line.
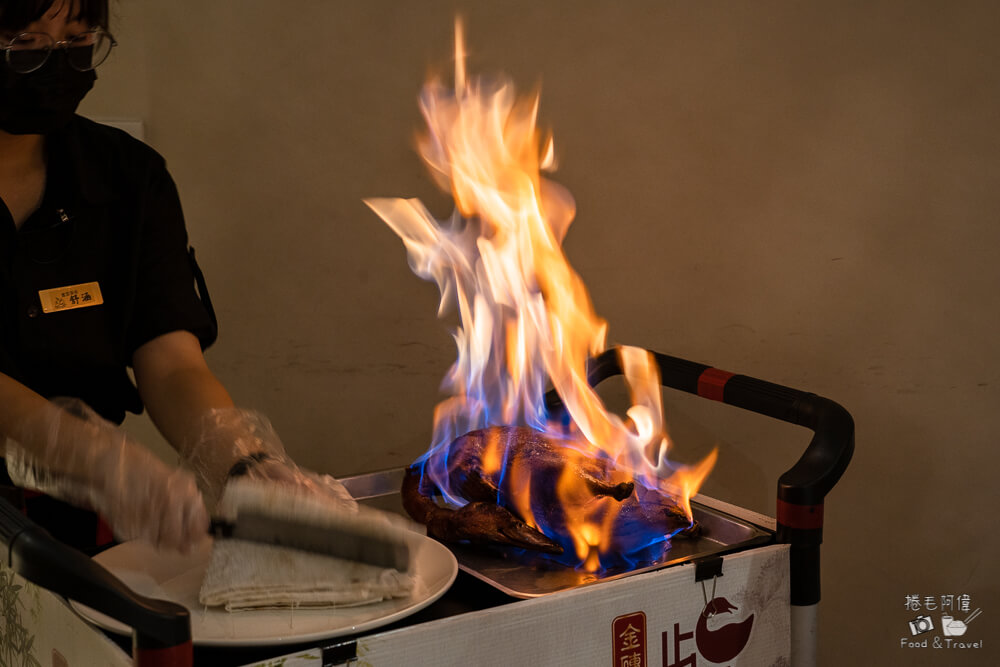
110,230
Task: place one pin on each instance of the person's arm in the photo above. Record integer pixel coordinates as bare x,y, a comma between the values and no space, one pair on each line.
176,385
215,439
16,403
182,395
65,449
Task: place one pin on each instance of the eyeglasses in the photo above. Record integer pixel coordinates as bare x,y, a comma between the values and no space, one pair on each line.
30,50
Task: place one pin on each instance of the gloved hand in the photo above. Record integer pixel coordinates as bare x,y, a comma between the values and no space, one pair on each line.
88,461
234,442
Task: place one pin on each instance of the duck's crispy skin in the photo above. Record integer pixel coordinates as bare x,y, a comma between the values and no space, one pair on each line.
484,521
479,522
545,457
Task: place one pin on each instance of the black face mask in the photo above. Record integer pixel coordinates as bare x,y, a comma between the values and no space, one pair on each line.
44,100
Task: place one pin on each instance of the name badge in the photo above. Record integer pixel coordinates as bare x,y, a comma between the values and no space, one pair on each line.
70,297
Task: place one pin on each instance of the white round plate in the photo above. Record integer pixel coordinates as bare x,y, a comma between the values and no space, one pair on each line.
178,578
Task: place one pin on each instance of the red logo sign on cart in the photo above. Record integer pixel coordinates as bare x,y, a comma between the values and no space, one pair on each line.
629,637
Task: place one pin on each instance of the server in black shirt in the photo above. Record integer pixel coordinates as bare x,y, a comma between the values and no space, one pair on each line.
96,276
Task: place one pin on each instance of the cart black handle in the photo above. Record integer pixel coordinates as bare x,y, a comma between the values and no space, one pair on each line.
161,630
803,487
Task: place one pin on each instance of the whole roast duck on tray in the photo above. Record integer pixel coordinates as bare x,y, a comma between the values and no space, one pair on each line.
496,513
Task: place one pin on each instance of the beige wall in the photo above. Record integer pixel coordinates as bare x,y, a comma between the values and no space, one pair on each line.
802,193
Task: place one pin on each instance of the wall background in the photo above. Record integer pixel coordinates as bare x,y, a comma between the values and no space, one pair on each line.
801,193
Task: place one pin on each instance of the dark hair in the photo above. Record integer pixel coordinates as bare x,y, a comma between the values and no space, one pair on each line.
15,15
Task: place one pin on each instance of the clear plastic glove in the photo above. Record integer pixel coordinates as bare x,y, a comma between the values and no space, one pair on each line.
234,442
88,461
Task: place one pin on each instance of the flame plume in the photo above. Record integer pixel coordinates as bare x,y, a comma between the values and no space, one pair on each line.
526,319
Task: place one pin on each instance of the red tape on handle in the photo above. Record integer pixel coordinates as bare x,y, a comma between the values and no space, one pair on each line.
803,517
712,383
181,655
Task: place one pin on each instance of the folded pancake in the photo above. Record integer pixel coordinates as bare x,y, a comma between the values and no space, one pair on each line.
250,575
254,575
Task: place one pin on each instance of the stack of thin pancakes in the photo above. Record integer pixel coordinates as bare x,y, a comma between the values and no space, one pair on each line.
251,575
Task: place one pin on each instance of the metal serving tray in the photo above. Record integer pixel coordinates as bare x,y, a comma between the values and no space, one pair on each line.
524,575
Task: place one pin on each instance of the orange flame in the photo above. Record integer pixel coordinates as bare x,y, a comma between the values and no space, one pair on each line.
526,317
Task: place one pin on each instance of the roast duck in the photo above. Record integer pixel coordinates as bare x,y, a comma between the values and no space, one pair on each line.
492,515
